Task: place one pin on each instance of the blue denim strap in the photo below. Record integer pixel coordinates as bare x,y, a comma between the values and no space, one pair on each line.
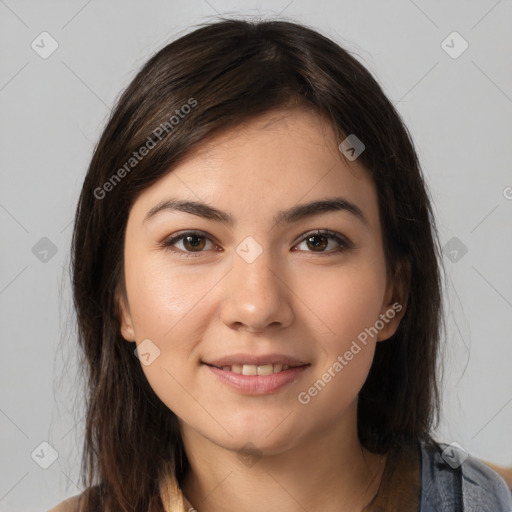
441,485
469,487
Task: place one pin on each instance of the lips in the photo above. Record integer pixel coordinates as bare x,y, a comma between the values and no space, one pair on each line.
257,374
258,384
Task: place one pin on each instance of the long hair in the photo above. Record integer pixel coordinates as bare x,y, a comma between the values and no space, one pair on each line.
207,81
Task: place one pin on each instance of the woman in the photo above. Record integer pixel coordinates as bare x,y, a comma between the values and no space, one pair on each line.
256,276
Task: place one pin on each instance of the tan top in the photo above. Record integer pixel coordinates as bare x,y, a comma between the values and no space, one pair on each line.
69,505
170,494
174,500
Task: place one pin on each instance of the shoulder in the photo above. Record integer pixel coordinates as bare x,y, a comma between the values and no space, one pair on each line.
91,498
69,505
451,477
505,473
482,486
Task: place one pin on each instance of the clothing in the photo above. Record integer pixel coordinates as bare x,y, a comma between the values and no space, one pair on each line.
470,487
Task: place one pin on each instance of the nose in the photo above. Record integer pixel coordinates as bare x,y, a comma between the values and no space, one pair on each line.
256,295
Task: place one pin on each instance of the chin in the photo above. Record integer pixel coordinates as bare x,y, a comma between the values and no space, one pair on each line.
270,436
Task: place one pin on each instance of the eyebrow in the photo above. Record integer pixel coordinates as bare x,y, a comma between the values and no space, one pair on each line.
294,214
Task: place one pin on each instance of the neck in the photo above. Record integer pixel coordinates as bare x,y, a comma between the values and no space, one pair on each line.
327,471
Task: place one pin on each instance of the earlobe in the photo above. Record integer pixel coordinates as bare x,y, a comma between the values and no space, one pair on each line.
124,317
394,306
390,316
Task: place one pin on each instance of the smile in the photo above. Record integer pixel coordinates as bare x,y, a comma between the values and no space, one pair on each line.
250,379
253,369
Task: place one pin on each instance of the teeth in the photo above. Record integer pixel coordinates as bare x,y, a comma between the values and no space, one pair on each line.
278,368
265,369
252,369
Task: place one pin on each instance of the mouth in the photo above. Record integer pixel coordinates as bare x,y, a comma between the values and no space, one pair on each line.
257,376
253,369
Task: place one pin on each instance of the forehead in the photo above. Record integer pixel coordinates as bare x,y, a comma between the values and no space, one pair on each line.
264,165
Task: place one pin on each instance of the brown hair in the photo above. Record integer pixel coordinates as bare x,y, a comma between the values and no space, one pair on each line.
227,72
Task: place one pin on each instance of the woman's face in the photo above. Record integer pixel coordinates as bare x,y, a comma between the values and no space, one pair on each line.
254,287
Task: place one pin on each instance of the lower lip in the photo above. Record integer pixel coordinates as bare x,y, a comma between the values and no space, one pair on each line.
258,384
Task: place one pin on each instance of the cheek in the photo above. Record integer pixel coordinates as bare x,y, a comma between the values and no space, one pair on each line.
346,345
170,306
164,307
348,303
169,377
165,299
346,300
336,385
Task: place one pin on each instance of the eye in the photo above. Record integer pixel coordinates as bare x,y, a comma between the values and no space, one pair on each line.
197,242
319,241
192,242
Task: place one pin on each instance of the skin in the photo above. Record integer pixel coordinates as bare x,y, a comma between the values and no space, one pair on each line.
292,299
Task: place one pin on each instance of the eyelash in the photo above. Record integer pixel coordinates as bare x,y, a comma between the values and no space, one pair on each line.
332,235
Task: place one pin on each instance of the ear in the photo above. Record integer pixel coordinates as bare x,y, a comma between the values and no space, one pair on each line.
395,301
124,316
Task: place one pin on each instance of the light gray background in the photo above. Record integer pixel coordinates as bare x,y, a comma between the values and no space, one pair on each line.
459,111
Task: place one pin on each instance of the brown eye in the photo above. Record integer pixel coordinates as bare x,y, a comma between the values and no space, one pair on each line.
194,242
191,242
319,241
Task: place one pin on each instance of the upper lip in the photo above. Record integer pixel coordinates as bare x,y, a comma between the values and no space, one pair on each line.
257,360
